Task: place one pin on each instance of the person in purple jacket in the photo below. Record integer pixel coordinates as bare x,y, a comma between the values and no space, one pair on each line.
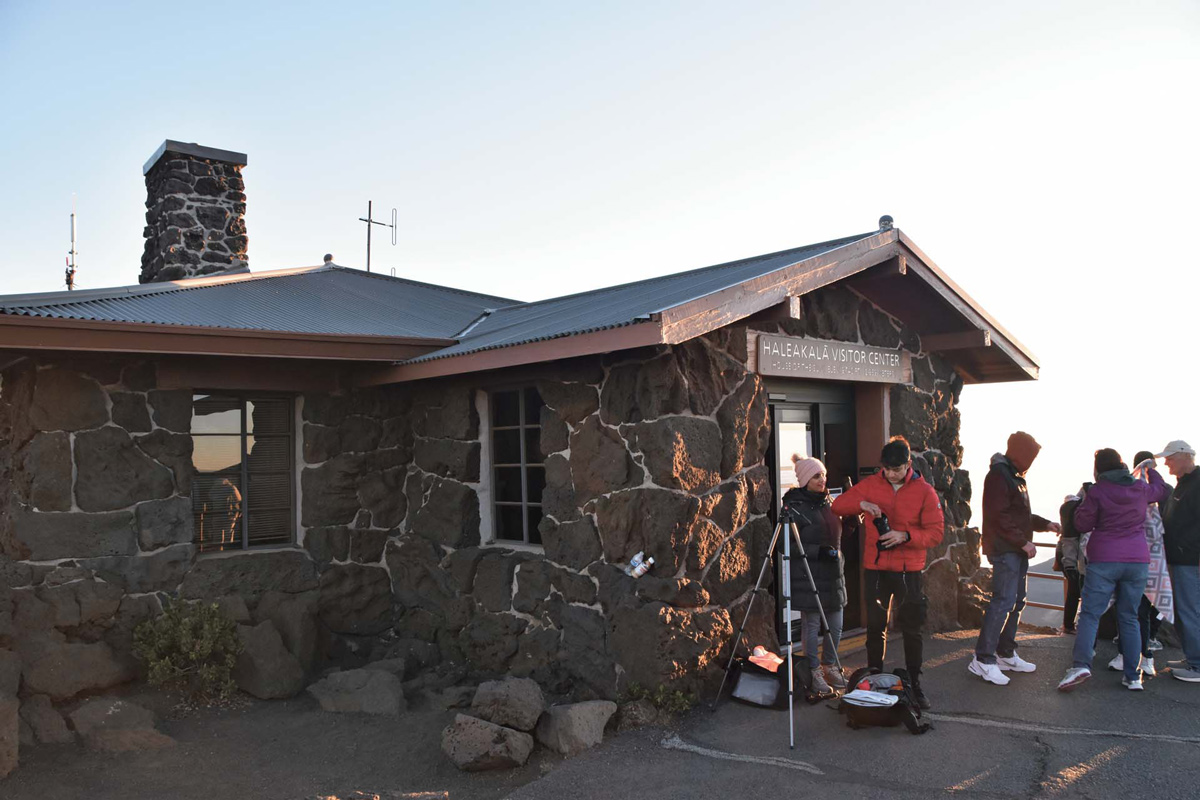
1114,511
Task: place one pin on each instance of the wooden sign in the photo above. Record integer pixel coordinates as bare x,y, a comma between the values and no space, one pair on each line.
792,357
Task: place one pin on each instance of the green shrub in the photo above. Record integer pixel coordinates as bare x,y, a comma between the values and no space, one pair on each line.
192,648
663,697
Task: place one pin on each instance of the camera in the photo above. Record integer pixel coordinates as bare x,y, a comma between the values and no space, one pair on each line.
882,527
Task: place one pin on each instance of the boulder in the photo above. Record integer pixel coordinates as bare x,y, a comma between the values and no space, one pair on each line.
359,434
64,400
876,327
679,452
295,617
571,401
10,727
489,641
321,443
475,745
234,608
160,571
636,714
327,545
363,691
265,668
511,702
940,582
109,725
10,672
831,313
584,653
657,643
164,522
112,473
73,535
63,670
173,450
172,409
44,478
922,375
366,546
448,458
449,517
600,462
656,521
382,494
494,580
250,574
80,602
330,491
355,599
573,728
554,434
44,720
129,410
392,666
912,416
710,374
745,430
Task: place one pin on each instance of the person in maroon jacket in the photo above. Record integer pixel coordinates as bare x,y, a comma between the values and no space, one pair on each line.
1008,526
896,497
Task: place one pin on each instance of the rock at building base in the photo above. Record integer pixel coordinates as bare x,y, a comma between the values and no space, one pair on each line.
265,668
365,691
636,714
44,721
512,702
475,745
9,734
63,670
571,729
109,725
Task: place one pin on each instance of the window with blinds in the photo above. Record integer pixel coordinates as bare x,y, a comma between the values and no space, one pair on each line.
243,487
518,474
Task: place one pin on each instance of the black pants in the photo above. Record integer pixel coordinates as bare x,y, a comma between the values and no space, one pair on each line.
1071,604
911,610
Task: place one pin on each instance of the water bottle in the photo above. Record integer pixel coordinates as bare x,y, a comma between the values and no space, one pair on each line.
634,562
644,567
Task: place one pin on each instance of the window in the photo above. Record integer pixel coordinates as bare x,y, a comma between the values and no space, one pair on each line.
518,475
243,485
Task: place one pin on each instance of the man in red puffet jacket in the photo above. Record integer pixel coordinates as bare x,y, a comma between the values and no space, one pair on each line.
894,559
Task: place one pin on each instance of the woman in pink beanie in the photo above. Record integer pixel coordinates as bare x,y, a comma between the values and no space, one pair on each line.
820,536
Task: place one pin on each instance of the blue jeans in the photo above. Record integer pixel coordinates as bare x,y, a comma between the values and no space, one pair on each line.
998,633
1185,582
812,630
1103,579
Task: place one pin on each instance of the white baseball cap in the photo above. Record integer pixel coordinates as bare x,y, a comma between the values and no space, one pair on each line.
1175,447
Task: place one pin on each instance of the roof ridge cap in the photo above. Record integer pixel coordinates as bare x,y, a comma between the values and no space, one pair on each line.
510,301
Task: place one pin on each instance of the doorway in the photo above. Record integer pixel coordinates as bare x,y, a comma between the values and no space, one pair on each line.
824,430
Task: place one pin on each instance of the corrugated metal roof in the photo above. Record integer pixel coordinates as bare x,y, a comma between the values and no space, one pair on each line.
319,300
617,306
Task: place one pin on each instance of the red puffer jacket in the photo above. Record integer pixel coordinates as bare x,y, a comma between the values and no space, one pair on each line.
915,508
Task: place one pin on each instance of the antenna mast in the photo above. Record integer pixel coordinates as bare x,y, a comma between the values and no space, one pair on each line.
72,252
372,221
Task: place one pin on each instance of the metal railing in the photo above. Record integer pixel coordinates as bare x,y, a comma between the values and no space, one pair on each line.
1052,576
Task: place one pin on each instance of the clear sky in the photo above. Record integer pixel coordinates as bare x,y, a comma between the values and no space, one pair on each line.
1043,153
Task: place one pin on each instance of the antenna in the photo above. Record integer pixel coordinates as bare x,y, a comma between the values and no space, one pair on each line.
372,221
71,267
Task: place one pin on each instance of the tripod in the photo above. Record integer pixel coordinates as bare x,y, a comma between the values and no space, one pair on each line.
786,517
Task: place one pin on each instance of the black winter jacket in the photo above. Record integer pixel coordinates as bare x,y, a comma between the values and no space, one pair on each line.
819,529
1181,539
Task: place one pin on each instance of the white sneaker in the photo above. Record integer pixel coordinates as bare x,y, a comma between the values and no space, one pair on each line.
1147,667
989,672
1074,677
1117,664
1155,645
1134,685
1015,664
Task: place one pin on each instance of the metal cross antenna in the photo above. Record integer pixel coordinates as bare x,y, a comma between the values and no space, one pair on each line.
371,221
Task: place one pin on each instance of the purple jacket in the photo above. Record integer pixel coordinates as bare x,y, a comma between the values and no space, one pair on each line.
1115,513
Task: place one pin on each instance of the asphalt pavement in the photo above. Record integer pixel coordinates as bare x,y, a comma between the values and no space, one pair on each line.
1023,740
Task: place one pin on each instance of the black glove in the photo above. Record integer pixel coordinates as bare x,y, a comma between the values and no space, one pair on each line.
827,553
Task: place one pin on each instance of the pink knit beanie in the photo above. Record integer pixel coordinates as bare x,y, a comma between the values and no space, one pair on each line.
807,469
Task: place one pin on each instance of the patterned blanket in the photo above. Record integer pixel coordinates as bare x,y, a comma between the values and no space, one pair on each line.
1158,581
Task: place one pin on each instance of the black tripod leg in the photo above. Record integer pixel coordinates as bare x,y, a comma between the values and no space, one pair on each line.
812,584
745,619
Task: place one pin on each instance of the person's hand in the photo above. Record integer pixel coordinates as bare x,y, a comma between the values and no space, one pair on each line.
1030,549
870,508
1055,527
893,538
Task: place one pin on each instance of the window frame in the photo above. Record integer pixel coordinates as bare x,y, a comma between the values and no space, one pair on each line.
245,397
524,424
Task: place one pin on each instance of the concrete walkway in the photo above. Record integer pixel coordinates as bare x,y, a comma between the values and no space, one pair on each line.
1023,740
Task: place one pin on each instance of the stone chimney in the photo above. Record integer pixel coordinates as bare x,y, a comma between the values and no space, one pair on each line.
195,213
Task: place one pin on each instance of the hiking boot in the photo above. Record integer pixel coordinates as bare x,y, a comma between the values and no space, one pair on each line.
1189,675
818,686
919,696
1147,667
835,677
1074,677
1154,645
1117,664
1134,685
989,672
1067,630
1014,663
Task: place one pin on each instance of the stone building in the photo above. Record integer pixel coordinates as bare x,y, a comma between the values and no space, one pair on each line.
352,462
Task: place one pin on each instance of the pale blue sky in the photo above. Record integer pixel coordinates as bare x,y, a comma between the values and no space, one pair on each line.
1042,153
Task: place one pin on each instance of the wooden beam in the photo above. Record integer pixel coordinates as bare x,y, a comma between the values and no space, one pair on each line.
691,319
788,309
941,342
623,338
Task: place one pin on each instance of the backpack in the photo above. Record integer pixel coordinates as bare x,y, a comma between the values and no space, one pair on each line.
887,701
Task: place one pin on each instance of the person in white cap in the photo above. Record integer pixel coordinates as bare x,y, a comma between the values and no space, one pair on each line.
1181,541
